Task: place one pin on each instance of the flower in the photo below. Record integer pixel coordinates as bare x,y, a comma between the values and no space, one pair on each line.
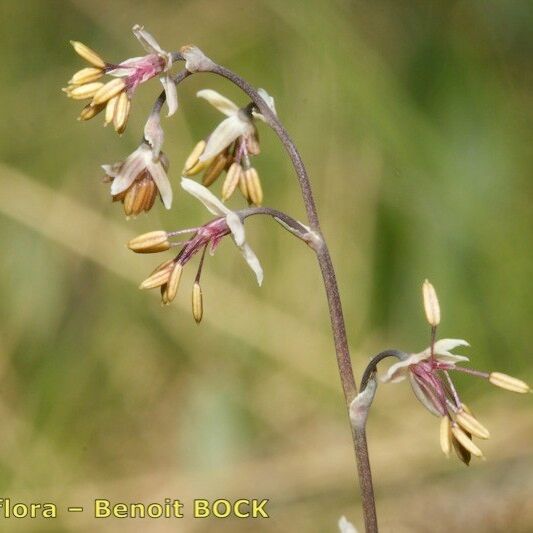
441,355
428,373
168,274
136,181
229,148
115,95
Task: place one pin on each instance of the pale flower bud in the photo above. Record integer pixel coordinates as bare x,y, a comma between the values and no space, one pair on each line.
431,304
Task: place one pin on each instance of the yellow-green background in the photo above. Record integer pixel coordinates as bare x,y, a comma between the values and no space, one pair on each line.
414,121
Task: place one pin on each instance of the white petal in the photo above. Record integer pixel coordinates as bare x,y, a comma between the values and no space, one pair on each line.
112,170
171,93
213,204
127,67
237,228
154,134
442,350
132,167
147,40
122,72
253,262
445,345
345,526
397,371
161,180
269,102
223,104
451,358
225,133
422,397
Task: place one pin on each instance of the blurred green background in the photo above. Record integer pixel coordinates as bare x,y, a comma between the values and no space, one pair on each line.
414,119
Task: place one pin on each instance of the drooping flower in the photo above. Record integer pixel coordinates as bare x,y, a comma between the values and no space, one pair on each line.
115,95
168,274
138,179
428,373
229,148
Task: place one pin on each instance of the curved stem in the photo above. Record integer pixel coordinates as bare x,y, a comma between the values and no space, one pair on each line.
372,366
318,243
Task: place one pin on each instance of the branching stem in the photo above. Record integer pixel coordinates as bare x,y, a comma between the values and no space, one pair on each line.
318,243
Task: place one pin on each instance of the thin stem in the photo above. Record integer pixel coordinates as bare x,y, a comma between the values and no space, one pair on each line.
477,373
364,471
318,243
432,345
453,389
372,366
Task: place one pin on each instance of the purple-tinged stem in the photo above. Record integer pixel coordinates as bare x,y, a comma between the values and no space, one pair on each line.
453,390
477,373
318,243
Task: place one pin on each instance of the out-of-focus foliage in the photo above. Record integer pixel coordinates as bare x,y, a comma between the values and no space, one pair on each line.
414,119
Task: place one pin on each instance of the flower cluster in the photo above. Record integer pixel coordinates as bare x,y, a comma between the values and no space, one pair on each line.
229,148
142,176
115,95
136,181
428,373
168,274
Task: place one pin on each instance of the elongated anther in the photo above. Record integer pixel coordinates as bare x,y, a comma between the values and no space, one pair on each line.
445,436
90,111
197,302
121,113
472,425
192,160
253,186
174,281
81,92
509,383
465,441
86,75
232,180
159,276
110,89
88,54
214,170
431,303
147,243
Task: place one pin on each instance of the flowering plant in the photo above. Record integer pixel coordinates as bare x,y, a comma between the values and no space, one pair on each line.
229,149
